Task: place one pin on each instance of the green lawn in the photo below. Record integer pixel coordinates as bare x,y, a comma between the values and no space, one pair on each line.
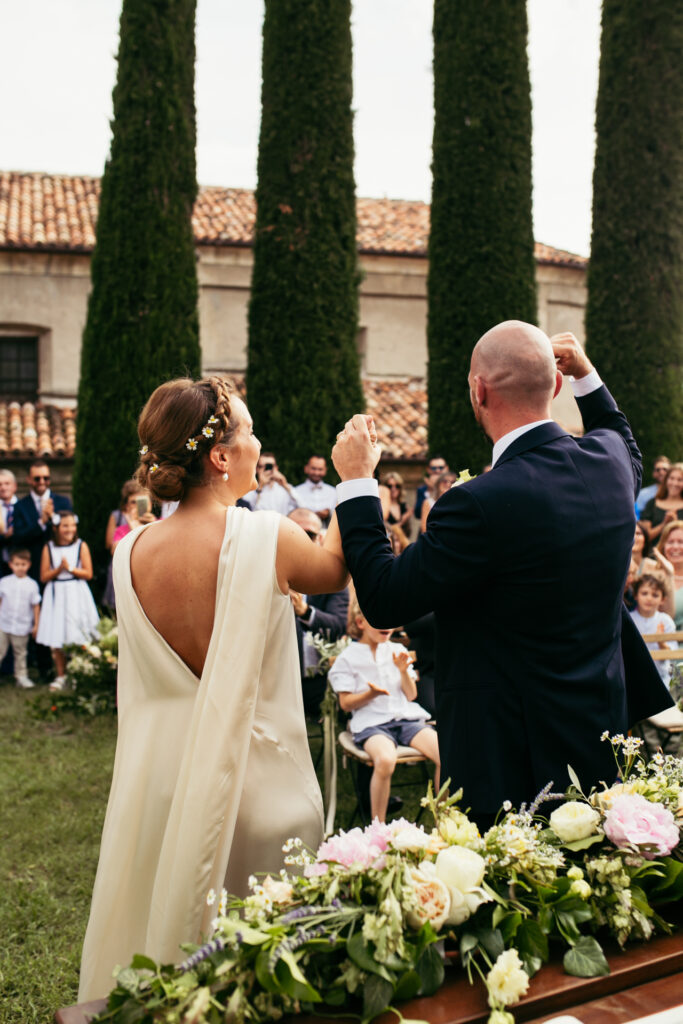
54,782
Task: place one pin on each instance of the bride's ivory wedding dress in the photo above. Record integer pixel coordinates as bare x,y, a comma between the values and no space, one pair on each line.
211,775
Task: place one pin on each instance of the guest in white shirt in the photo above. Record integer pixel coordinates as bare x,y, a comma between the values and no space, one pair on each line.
659,471
8,499
19,608
314,493
377,685
273,493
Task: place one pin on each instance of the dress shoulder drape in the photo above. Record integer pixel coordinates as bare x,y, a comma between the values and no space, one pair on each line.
211,775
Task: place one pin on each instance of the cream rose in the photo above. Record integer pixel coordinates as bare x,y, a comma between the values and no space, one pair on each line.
462,871
507,981
574,820
604,799
433,900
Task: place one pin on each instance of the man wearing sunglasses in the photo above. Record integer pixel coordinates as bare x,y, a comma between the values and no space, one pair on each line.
33,513
435,467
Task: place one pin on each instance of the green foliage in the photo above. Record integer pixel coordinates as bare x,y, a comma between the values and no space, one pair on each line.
481,246
142,325
91,678
303,377
634,316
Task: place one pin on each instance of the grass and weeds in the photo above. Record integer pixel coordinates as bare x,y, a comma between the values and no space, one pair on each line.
54,784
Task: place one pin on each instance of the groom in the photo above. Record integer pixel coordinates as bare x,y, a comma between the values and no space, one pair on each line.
525,569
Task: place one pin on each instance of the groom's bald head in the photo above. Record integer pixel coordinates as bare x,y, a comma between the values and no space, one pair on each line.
516,361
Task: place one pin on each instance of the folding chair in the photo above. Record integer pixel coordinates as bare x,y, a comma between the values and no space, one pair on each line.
404,755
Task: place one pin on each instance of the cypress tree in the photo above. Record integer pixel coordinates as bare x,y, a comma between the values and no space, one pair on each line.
142,324
303,375
481,246
634,316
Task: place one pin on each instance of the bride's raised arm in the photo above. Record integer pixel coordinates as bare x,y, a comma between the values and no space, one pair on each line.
309,567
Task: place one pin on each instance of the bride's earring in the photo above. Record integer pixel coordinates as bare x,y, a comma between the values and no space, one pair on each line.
225,476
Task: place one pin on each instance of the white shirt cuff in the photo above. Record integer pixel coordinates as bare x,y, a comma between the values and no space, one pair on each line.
366,487
586,385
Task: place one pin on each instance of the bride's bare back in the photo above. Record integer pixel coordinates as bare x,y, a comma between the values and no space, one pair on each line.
174,569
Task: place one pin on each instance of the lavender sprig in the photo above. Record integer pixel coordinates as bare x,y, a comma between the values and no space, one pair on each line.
201,954
294,942
310,911
541,798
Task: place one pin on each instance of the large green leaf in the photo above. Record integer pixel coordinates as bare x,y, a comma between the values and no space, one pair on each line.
669,887
377,994
409,985
431,970
140,963
293,981
359,952
530,939
583,844
586,959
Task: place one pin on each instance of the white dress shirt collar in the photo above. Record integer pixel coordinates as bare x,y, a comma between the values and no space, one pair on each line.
504,442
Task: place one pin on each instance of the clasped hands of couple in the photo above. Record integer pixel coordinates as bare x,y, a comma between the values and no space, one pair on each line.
357,451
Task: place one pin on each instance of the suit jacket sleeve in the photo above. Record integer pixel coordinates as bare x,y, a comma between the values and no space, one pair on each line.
27,529
599,412
332,618
453,553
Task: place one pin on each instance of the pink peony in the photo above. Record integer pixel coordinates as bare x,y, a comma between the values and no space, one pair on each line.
631,820
355,849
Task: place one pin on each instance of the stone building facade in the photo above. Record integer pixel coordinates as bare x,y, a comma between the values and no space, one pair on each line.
47,233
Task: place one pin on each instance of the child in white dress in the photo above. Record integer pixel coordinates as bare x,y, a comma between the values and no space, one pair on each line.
376,683
69,615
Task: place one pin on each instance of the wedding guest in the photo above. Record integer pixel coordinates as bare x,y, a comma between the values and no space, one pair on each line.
273,493
650,591
69,614
32,529
8,499
376,684
315,613
670,548
397,511
33,513
667,504
436,465
440,485
123,519
19,610
314,493
641,544
645,494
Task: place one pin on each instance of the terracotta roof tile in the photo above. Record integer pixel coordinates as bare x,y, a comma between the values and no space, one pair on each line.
28,430
399,407
59,212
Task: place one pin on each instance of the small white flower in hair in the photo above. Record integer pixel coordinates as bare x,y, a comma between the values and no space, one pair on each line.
154,467
144,449
212,419
192,444
207,432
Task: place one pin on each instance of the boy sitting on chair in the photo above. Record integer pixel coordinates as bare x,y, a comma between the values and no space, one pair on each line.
377,685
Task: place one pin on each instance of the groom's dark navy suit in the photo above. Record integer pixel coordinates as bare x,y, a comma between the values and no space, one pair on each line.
525,569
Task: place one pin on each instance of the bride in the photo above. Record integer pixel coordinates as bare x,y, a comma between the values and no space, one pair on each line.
212,769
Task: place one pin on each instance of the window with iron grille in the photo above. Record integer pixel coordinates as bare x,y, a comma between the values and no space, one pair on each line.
19,368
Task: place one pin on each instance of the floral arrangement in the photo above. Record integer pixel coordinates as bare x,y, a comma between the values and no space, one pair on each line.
91,676
357,929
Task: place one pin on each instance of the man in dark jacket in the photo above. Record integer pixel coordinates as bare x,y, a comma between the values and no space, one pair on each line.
524,568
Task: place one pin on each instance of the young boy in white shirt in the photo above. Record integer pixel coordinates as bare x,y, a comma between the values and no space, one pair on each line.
650,589
376,684
19,611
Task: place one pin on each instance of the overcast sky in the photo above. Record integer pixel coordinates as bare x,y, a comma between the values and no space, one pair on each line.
58,69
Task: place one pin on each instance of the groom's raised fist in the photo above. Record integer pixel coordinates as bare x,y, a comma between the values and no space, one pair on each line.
356,452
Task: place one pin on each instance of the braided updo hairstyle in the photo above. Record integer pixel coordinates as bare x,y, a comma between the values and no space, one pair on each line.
174,413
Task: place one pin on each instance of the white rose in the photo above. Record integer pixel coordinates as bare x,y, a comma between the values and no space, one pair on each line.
574,820
507,981
410,838
460,867
433,901
462,870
